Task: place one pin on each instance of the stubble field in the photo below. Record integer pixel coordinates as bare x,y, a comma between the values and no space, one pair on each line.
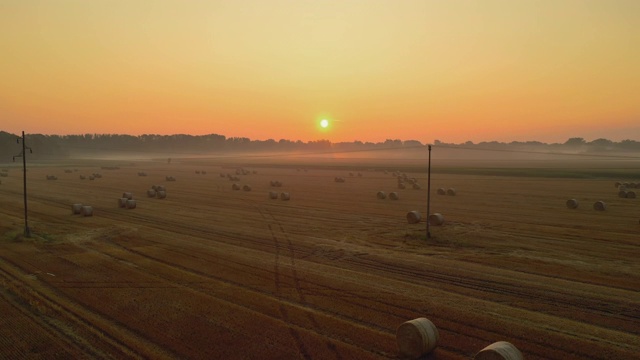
211,272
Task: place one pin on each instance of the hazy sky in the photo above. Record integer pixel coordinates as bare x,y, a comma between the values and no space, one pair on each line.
512,70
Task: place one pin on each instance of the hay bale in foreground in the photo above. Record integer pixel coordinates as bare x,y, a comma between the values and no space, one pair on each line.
436,219
381,195
235,186
451,192
622,193
130,204
393,195
87,210
122,202
631,195
151,193
441,191
599,206
161,194
413,217
76,209
285,196
500,350
416,186
416,338
402,186
246,188
273,195
572,204
127,195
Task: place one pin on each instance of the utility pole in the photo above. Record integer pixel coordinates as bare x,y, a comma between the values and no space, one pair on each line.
23,154
429,193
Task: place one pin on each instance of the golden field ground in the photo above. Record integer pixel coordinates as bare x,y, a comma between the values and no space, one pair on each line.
213,273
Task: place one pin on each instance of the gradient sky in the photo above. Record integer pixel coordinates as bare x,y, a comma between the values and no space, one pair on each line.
543,70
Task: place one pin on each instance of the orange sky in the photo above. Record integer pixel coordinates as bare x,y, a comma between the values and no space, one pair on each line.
397,69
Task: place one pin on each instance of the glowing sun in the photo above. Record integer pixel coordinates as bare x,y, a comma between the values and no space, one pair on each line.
324,123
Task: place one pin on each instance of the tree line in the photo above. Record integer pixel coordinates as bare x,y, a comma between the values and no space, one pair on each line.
63,146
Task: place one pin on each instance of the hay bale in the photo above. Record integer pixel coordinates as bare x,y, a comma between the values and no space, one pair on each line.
273,195
451,192
416,186
572,204
436,219
631,194
413,217
151,193
633,185
622,193
161,194
161,188
246,188
91,177
500,350
235,186
599,206
76,209
441,191
416,338
285,196
401,186
382,195
87,210
130,204
122,202
127,195
393,195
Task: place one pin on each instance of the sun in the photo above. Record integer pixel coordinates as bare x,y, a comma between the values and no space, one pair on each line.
324,123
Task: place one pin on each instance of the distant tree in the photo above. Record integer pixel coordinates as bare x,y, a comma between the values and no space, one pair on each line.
577,141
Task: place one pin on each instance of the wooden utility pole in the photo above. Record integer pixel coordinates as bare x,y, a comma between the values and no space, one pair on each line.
429,193
23,154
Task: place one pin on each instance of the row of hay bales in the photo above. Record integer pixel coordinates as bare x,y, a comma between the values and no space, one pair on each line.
79,209
414,217
52,177
236,186
283,195
230,177
418,337
142,173
383,195
68,171
201,172
339,179
275,183
352,174
627,194
158,191
598,205
627,185
169,178
92,176
243,171
449,191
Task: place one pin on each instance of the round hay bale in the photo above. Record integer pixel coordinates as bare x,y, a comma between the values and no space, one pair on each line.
161,194
82,177
401,186
122,202
285,196
631,194
618,183
130,204
393,196
441,191
417,337
622,193
416,186
500,350
381,195
273,195
599,206
87,210
246,188
161,188
633,185
436,219
451,192
127,195
76,209
151,193
413,217
572,204
235,186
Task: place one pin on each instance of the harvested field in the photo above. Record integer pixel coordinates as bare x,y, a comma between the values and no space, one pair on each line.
214,273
